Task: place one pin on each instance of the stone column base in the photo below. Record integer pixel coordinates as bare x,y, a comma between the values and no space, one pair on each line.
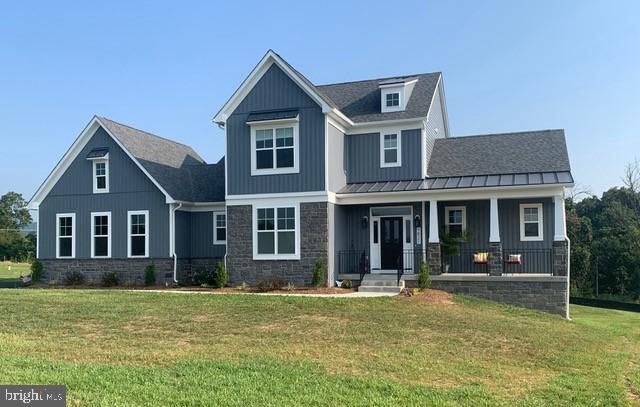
434,258
495,259
560,258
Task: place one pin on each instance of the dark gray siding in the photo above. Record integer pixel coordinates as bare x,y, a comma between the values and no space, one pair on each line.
183,234
363,158
477,221
194,236
336,152
435,124
276,90
129,189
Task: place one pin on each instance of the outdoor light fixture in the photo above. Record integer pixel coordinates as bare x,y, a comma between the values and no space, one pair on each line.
365,222
416,221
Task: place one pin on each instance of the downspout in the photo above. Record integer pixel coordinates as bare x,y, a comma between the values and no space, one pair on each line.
568,273
173,240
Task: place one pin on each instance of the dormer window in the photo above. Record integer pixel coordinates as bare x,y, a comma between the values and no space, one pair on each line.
393,99
99,158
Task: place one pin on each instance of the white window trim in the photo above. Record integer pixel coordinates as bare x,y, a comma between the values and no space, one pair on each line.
398,148
294,256
386,95
448,209
540,236
129,235
95,177
215,228
73,235
296,147
93,230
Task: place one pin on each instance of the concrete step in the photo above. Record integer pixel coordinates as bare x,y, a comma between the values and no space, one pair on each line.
380,289
387,283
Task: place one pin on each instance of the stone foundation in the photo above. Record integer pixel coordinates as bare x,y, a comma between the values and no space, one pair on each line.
129,271
313,245
434,258
495,259
560,258
187,267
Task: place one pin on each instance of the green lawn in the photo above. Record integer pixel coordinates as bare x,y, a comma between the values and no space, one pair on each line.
11,271
117,348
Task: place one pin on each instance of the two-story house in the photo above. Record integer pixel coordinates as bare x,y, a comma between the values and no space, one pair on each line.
364,176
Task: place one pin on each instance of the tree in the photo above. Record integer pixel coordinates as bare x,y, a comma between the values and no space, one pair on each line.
13,211
631,177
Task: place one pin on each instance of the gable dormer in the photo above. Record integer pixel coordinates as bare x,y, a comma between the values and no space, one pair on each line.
395,94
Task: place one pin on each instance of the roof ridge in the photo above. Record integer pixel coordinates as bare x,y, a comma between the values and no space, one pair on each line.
501,134
146,132
381,79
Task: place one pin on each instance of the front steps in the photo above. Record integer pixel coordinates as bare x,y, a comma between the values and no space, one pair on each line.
381,283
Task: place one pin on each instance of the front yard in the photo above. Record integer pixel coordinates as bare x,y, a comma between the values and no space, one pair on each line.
148,348
11,271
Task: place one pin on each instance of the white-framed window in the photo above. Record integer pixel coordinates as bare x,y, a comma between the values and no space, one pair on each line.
138,233
276,233
219,228
100,235
455,220
100,176
392,99
531,222
65,235
390,148
274,148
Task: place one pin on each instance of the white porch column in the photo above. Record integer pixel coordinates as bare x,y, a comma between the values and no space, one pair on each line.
494,229
434,236
560,224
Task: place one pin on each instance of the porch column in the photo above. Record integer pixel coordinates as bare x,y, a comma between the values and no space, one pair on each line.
560,242
495,245
433,247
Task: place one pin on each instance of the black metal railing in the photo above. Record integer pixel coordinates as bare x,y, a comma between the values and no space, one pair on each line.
466,260
353,262
527,261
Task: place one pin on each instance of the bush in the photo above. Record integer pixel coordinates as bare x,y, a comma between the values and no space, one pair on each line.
110,279
346,284
74,278
36,271
221,277
204,277
318,274
150,274
290,286
424,280
269,284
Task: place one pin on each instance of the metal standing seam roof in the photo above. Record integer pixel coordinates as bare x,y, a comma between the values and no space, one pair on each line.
471,181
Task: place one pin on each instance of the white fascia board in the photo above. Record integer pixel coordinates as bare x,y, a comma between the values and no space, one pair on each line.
202,206
312,196
255,75
402,124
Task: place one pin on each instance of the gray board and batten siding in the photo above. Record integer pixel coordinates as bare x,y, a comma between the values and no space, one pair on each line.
194,236
276,91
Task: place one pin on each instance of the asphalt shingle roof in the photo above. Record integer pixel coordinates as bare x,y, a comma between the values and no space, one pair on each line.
175,166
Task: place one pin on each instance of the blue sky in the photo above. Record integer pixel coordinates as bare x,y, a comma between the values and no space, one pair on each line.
168,67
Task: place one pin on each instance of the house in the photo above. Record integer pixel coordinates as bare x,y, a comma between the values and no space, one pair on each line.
364,176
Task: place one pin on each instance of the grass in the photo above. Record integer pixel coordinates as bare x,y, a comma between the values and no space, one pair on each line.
116,348
11,271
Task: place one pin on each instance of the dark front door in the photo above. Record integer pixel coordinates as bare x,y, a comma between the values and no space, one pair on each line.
391,243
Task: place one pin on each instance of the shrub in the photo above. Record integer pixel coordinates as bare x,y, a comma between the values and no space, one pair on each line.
346,284
150,274
110,279
204,277
36,271
269,284
290,286
74,278
221,277
424,280
318,273
243,286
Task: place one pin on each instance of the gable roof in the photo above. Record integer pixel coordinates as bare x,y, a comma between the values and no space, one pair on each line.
506,153
174,168
360,100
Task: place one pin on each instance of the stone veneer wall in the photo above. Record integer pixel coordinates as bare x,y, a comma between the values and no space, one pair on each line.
129,271
313,245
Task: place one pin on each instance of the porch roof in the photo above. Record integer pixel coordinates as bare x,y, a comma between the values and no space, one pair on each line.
471,181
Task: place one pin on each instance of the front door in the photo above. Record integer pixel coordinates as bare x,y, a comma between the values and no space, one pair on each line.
391,243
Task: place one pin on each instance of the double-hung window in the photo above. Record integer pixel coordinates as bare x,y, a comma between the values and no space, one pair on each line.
393,99
100,176
138,235
219,228
101,234
276,233
390,149
531,222
66,235
274,148
455,220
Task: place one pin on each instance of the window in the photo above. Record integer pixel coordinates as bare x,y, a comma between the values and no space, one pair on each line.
100,176
275,149
455,220
66,235
219,228
100,234
390,152
393,99
138,237
531,225
276,233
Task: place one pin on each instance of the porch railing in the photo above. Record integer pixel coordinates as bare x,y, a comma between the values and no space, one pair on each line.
527,261
353,262
464,262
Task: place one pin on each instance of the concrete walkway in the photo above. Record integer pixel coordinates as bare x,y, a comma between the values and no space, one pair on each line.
355,294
